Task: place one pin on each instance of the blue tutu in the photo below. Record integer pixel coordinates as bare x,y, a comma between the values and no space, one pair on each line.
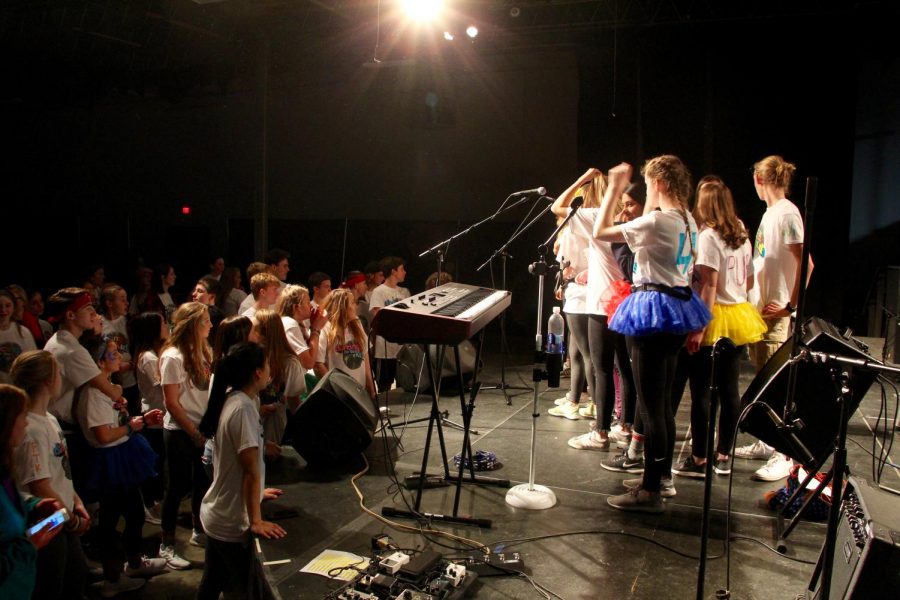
649,312
121,467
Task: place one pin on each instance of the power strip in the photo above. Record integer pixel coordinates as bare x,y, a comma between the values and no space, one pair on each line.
495,564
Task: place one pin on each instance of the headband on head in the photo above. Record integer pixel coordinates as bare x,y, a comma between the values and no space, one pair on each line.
354,280
77,303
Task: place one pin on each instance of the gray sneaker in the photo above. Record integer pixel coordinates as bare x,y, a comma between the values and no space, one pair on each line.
666,486
623,464
111,589
637,500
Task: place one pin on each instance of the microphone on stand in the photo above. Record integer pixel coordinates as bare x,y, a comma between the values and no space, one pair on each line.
538,191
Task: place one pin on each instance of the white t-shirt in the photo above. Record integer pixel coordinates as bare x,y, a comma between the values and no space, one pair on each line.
117,329
603,268
573,249
250,312
43,454
662,248
95,409
193,399
15,340
223,511
733,266
385,295
76,367
232,302
348,356
148,382
294,334
246,303
776,269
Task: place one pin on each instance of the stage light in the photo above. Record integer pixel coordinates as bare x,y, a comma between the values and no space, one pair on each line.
448,36
471,31
422,10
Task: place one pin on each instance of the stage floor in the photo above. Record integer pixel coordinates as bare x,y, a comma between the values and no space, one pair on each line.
579,548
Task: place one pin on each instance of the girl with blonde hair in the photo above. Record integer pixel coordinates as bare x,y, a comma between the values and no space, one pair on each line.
184,367
344,344
295,309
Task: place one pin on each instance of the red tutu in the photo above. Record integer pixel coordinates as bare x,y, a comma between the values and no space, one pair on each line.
618,291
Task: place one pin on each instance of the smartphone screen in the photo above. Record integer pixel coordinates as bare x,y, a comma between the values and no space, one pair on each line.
57,519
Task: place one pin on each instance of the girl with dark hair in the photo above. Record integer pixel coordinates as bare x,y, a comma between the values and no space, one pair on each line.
149,332
159,298
18,553
230,511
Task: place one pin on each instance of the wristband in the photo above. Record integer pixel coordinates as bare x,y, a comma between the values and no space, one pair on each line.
313,331
790,307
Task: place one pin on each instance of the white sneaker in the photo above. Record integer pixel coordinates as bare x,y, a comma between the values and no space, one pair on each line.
153,515
757,451
149,567
198,538
561,401
589,441
569,410
589,411
620,438
111,589
778,467
173,561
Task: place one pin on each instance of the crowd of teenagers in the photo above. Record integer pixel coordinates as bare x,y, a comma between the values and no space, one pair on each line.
115,410
653,273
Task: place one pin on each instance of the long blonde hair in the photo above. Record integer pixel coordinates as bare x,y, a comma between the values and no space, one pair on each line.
593,191
339,307
185,337
275,342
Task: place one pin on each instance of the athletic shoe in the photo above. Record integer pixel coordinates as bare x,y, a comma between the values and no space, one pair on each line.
569,410
689,468
757,451
637,500
149,567
111,589
173,561
589,441
778,467
623,464
152,515
666,486
588,412
561,401
620,438
722,466
198,538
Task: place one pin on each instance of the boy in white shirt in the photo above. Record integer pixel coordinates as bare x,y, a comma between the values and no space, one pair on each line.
386,294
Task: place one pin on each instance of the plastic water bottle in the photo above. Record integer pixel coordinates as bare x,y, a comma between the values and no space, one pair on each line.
556,333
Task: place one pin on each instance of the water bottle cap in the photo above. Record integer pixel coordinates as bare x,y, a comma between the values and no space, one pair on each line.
556,309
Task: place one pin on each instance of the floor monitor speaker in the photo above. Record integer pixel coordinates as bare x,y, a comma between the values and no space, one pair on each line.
336,422
814,398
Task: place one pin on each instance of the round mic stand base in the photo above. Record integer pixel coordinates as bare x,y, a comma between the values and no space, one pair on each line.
534,497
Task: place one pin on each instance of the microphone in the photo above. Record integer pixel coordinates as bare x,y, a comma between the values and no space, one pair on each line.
787,434
538,191
576,203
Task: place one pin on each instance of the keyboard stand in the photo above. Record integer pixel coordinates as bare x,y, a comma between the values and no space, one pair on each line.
434,421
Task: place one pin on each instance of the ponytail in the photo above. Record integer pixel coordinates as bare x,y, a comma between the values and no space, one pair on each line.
233,371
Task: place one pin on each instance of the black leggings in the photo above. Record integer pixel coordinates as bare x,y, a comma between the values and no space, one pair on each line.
602,344
728,366
153,489
115,504
186,474
232,568
580,358
626,381
653,360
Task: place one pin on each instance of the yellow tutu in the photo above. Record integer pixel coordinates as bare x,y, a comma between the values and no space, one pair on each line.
739,322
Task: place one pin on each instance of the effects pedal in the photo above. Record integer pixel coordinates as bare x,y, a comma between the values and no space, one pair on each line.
495,564
411,482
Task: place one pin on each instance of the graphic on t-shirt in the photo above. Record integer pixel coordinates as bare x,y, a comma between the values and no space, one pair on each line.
351,354
272,393
390,301
120,341
9,351
683,261
61,451
760,245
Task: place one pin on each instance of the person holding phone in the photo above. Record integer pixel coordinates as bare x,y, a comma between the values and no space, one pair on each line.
18,551
43,469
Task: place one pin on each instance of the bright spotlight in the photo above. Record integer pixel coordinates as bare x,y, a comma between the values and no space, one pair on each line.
422,10
471,31
448,36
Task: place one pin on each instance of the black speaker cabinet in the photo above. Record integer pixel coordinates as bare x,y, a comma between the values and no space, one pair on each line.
335,423
867,548
815,396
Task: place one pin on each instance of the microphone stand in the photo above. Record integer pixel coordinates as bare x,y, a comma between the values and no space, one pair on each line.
529,495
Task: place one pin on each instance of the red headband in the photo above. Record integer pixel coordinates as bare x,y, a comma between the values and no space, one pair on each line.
353,281
77,303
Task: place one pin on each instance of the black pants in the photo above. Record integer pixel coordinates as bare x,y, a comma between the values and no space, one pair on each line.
61,569
626,381
232,568
653,359
728,365
186,474
114,505
386,371
602,344
579,355
154,488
